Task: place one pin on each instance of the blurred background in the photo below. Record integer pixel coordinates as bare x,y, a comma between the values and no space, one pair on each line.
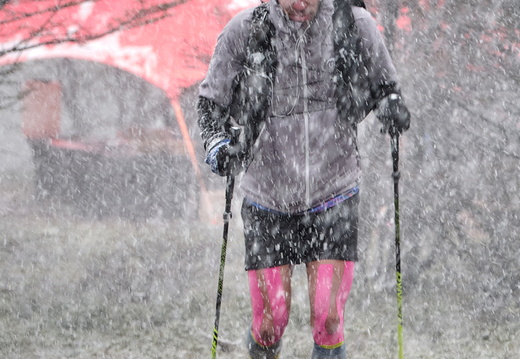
110,222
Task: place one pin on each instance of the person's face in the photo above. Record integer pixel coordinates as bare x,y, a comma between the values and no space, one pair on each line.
300,10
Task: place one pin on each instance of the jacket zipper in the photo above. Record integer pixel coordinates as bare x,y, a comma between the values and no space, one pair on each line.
306,125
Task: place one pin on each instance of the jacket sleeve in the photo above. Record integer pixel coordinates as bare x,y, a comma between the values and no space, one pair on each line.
216,90
212,119
381,70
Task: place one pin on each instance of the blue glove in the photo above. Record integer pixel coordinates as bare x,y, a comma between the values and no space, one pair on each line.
225,159
393,113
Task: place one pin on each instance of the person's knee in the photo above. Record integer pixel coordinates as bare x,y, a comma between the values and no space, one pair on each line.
327,328
332,323
271,329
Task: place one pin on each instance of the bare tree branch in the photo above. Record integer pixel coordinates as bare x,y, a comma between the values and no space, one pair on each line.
51,10
141,16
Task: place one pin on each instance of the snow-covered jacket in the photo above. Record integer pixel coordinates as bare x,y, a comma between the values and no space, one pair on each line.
303,153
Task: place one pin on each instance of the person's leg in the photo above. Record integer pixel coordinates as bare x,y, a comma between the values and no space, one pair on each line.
329,285
270,290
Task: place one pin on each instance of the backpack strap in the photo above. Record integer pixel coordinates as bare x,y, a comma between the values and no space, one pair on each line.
353,93
254,86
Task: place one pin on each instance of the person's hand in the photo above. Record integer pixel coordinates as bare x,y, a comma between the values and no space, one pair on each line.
226,159
393,114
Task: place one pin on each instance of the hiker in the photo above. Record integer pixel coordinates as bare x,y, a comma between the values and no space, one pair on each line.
297,76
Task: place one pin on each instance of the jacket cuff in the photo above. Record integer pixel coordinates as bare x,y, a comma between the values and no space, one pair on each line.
215,140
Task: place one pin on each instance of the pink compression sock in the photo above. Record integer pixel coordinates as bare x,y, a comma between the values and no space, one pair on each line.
329,307
270,315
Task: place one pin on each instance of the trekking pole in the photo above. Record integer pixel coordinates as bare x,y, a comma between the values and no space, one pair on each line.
394,141
230,184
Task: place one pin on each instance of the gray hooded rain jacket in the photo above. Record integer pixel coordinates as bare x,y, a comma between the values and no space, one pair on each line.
304,154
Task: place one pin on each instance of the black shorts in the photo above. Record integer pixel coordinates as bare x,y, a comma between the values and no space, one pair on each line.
274,239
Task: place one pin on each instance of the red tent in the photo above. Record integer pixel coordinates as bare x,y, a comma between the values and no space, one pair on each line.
172,51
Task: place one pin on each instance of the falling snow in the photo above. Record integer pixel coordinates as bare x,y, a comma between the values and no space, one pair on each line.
115,253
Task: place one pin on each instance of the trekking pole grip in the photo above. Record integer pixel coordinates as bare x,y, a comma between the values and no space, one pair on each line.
234,131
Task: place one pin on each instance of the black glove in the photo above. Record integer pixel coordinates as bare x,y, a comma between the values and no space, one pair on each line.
226,159
393,113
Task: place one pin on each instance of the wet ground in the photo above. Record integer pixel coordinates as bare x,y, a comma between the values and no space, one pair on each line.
79,288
